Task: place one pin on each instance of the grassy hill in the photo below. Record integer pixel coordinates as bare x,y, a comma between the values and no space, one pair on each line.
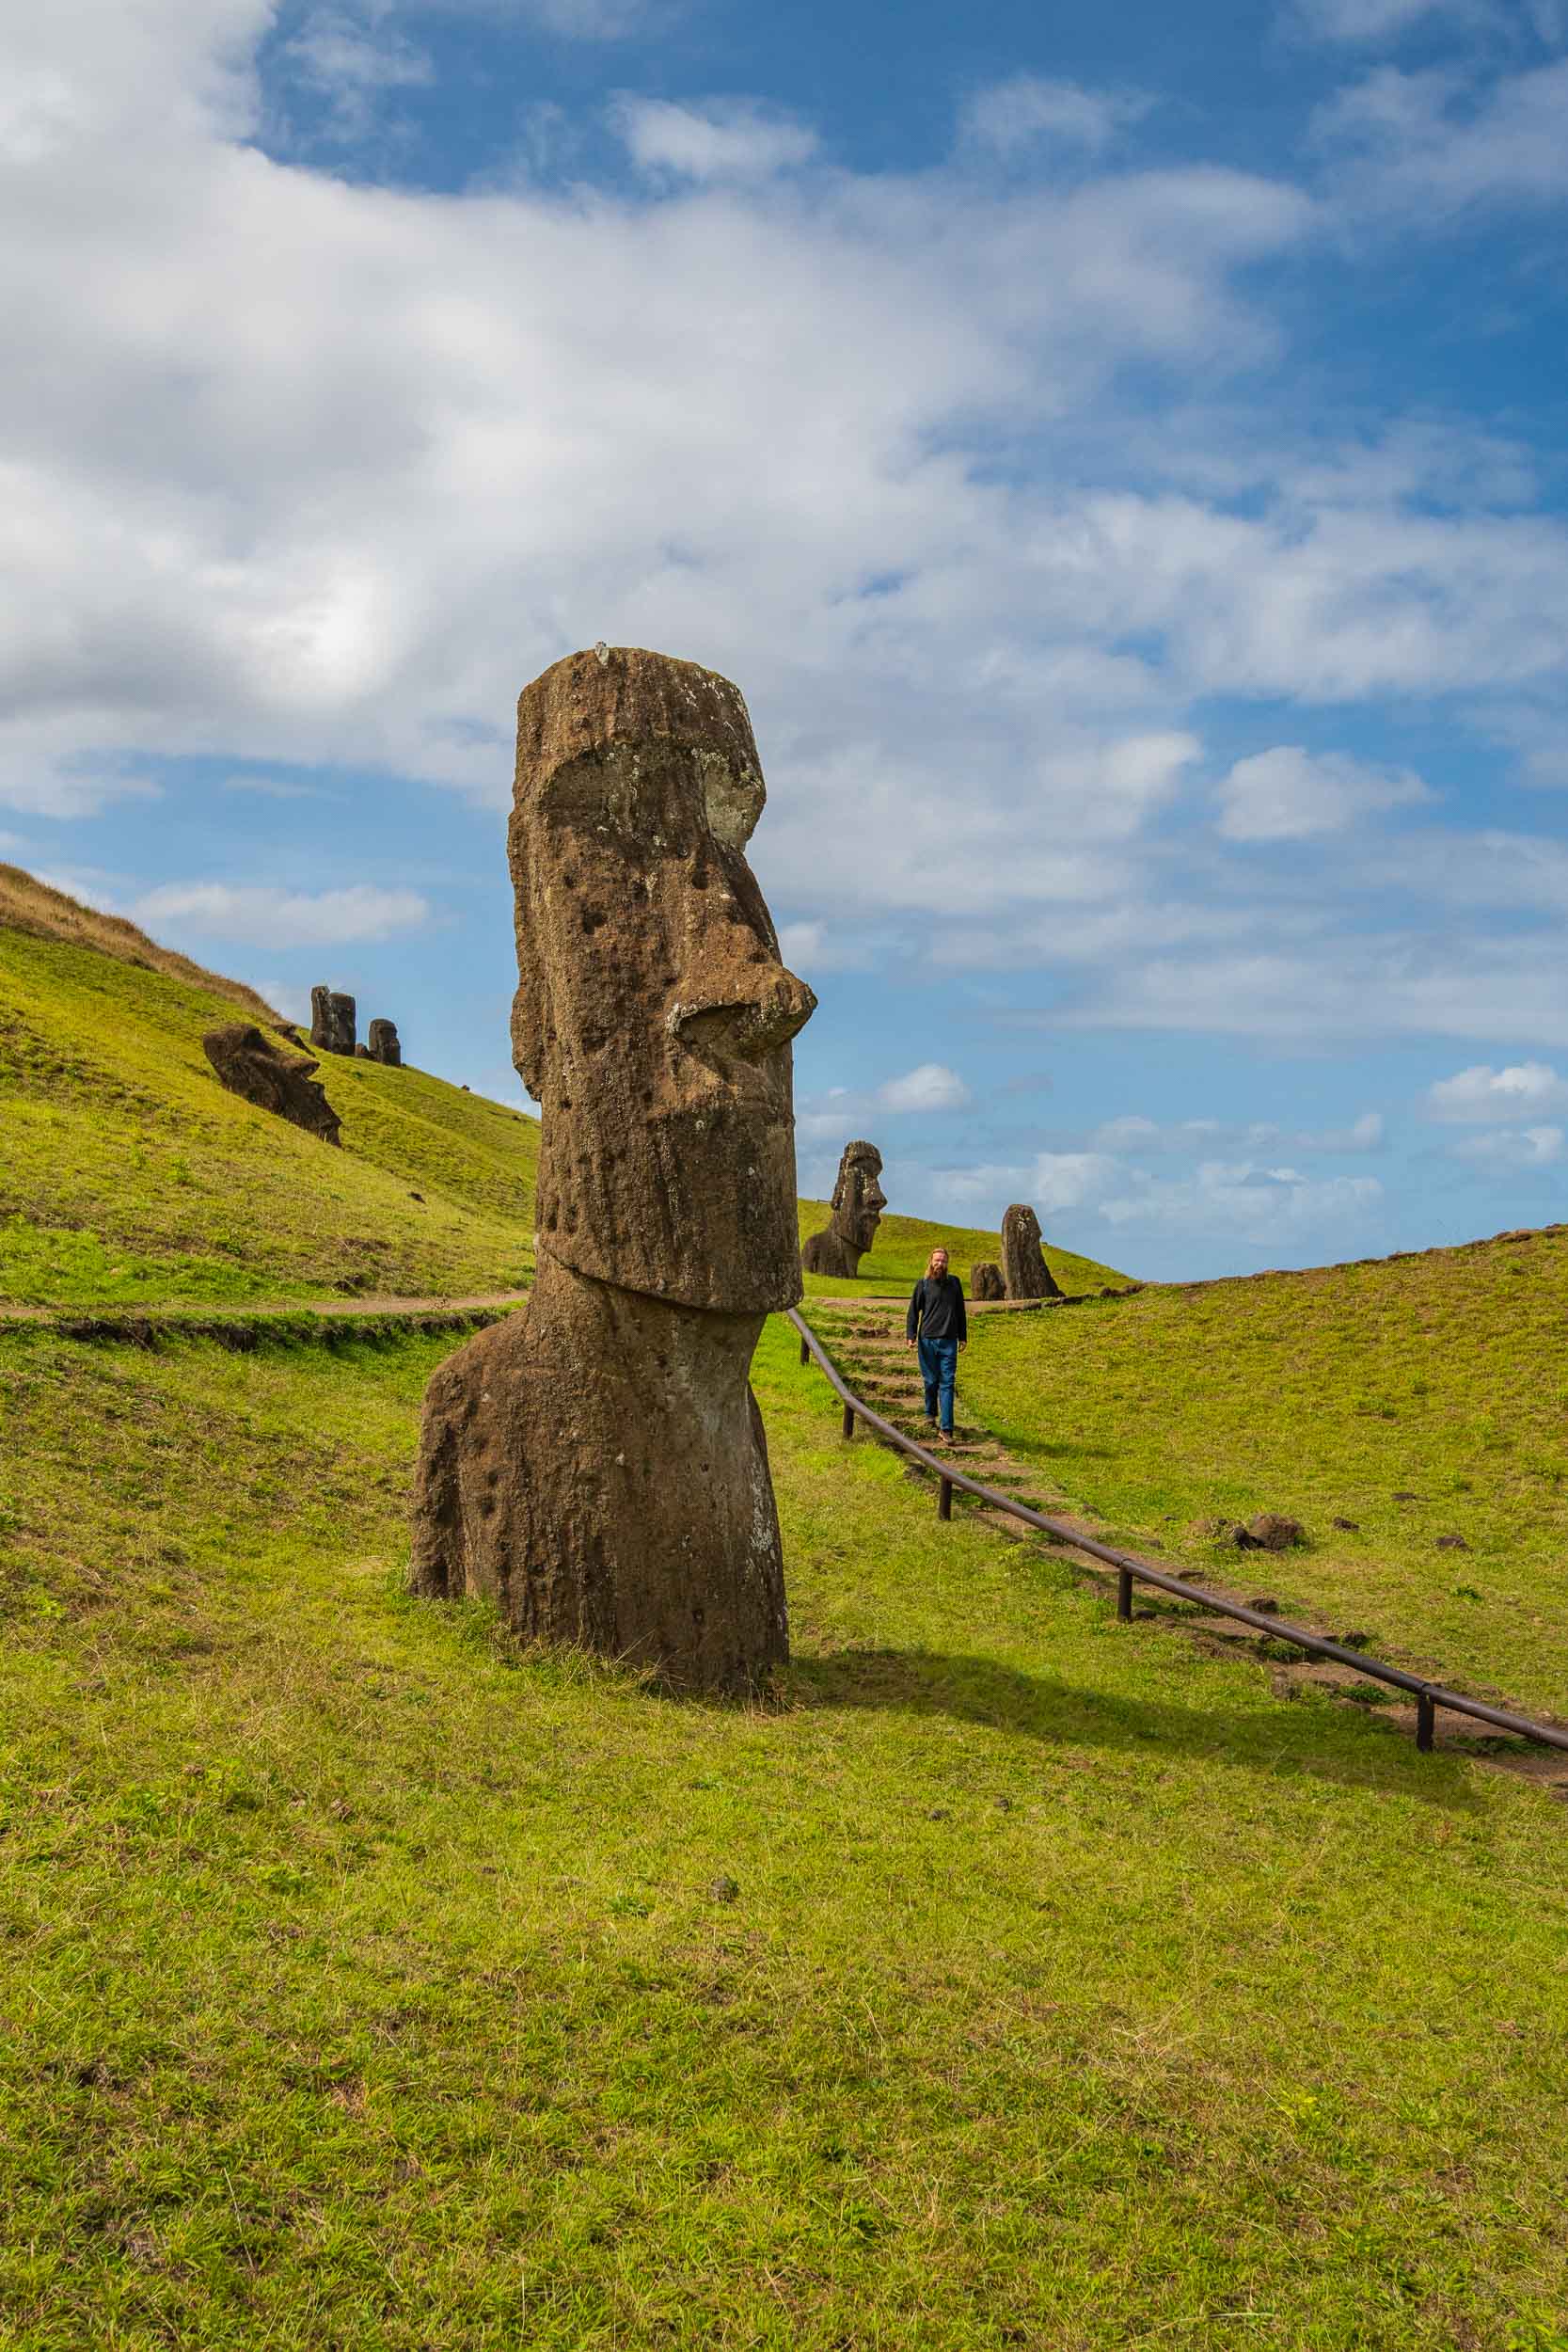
1020,1980
1420,1398
128,1176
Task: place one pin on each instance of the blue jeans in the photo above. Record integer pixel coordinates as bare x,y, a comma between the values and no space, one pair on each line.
939,1362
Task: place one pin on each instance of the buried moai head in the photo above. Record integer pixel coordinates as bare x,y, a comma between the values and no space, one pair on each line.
857,1197
985,1280
653,1017
1023,1268
332,1021
260,1070
383,1046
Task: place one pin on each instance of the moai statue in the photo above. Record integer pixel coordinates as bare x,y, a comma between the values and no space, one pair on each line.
1023,1268
253,1065
331,1021
858,1204
383,1045
985,1280
595,1464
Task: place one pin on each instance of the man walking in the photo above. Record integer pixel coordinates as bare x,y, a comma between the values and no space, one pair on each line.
939,1327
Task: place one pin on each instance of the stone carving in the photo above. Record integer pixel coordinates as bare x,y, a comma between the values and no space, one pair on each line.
383,1045
597,1464
1023,1268
858,1204
985,1282
250,1063
332,1021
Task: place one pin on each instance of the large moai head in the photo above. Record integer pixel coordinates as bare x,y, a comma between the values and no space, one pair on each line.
858,1197
332,1021
1023,1268
257,1067
653,1017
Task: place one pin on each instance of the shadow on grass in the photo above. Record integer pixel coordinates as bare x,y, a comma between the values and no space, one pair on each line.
1290,1739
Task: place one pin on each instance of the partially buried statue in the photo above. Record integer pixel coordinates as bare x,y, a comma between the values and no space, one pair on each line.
597,1464
253,1065
1024,1268
858,1204
383,1046
332,1021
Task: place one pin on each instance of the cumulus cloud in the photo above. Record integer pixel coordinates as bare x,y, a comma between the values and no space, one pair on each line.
1262,1206
1287,794
1369,21
1482,1094
722,139
348,62
1018,113
1135,1134
1419,147
1512,1147
930,1086
1051,1182
280,919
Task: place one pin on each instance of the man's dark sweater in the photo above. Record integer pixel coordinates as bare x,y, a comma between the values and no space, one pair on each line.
937,1308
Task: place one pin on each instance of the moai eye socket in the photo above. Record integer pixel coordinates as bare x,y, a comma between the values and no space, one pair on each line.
733,799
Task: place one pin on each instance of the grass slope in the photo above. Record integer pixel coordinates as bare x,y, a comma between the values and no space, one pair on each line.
1025,1979
129,1173
904,1244
1419,1396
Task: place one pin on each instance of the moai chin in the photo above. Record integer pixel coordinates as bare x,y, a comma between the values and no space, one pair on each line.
858,1204
332,1021
1024,1268
597,1464
383,1046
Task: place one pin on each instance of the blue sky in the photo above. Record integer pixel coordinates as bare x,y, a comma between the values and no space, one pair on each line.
1120,454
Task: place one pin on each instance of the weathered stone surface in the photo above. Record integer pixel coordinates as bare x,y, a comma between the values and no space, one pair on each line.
1023,1268
595,1464
383,1045
858,1204
332,1021
250,1063
985,1280
1271,1530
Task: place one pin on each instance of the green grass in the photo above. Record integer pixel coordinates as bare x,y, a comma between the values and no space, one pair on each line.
371,1984
904,1245
129,1175
1325,1395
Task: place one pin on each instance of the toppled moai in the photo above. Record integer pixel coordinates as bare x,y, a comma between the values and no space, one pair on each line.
332,1021
858,1204
1024,1272
251,1064
595,1464
383,1045
985,1280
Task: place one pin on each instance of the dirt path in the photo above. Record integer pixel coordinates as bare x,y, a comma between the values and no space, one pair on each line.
866,1338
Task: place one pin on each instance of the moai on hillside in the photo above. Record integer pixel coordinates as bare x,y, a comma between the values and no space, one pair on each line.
253,1065
1024,1271
332,1021
595,1464
383,1045
858,1204
985,1280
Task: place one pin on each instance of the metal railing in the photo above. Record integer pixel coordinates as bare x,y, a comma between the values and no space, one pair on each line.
1429,1696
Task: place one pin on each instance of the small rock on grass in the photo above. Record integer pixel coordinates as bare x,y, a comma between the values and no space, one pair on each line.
1271,1530
1452,1543
1265,1604
1351,1527
725,1889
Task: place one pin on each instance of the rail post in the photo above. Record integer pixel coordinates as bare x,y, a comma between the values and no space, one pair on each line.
1124,1595
805,1353
848,1420
945,1498
1426,1721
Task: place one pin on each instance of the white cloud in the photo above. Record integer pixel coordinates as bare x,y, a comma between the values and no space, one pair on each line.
724,139
281,918
1265,1207
1418,147
1379,19
1051,1182
349,63
930,1086
1134,1134
1512,1147
1020,112
1481,1093
1287,794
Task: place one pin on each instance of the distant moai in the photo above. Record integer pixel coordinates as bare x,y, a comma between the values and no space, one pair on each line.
332,1021
383,1045
256,1068
985,1280
1024,1272
857,1211
595,1464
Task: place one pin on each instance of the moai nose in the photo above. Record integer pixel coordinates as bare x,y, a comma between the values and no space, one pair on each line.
750,1012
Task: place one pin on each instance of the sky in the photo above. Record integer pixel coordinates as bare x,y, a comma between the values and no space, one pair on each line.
1119,451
